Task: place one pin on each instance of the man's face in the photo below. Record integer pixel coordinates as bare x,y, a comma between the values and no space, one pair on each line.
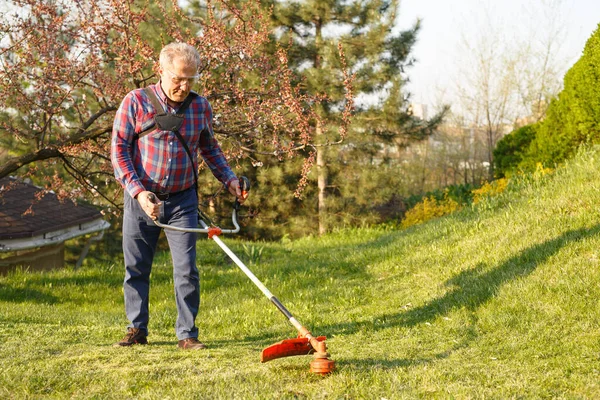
177,79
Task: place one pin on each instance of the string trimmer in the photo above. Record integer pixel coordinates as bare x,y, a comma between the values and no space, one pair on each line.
305,343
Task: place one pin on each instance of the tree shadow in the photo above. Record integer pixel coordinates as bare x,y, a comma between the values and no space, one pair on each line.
472,288
18,295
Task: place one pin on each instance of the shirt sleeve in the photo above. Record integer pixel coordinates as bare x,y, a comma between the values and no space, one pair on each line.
121,149
213,155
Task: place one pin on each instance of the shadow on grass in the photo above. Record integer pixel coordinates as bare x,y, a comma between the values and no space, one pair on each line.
40,286
473,288
18,295
469,289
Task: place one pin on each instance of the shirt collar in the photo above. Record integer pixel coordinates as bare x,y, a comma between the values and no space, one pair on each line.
161,94
159,91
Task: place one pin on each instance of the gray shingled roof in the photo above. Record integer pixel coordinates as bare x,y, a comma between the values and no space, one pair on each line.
48,213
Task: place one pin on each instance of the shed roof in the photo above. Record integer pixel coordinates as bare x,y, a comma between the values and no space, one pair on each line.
47,212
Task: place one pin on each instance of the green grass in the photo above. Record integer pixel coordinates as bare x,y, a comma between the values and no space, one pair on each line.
498,301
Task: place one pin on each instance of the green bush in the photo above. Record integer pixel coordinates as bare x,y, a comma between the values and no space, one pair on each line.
573,118
510,150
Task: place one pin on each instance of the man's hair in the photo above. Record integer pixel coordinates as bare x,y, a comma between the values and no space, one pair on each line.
183,51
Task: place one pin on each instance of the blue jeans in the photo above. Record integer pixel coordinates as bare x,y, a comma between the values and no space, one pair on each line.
140,236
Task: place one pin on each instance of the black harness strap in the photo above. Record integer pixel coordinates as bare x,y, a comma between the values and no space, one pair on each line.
163,120
171,122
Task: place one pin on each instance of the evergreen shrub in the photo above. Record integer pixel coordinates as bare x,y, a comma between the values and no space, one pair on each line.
573,118
510,150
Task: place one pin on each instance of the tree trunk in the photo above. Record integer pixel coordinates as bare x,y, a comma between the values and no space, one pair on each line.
321,161
321,183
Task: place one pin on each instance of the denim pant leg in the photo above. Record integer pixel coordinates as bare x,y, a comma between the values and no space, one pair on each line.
182,211
140,237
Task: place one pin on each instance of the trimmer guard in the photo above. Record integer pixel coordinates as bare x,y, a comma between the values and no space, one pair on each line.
288,348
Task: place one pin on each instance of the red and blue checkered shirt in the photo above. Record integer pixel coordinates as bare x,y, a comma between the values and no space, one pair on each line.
157,161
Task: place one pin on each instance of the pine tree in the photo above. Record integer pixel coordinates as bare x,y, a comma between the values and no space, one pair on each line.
378,56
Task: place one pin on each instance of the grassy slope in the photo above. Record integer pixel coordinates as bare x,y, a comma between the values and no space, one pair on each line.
495,302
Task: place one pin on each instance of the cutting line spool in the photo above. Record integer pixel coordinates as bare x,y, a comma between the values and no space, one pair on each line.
321,364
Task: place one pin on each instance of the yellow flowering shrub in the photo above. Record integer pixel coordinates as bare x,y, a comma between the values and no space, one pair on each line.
429,208
540,171
489,189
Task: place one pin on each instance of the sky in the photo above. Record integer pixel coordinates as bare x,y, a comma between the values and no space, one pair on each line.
447,24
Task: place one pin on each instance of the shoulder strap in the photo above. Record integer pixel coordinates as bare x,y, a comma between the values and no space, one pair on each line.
157,106
186,103
189,153
154,100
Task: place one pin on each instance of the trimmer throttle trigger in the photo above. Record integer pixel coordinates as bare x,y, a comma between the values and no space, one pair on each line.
244,185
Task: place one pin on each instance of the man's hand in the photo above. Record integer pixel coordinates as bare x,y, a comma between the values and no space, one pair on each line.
234,189
149,204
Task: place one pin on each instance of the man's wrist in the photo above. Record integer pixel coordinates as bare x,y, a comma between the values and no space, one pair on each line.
230,181
135,188
135,193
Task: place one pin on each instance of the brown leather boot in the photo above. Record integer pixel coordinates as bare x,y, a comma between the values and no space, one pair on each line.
134,336
191,344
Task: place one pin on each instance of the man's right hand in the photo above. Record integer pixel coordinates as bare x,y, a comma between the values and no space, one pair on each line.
149,204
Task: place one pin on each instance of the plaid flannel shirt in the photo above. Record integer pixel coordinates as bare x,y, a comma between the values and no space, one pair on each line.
157,161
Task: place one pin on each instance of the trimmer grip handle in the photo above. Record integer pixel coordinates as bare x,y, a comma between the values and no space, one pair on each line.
244,187
152,198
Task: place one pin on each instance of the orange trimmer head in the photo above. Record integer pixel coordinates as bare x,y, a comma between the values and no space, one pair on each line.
300,346
289,348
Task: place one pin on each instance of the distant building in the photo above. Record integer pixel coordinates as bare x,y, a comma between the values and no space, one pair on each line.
34,225
418,110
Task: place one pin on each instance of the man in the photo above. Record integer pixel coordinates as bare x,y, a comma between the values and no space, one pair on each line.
157,171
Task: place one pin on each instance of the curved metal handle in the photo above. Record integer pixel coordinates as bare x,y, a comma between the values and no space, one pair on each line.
244,186
205,228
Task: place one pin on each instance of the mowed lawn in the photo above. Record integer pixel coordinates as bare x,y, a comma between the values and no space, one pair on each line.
500,300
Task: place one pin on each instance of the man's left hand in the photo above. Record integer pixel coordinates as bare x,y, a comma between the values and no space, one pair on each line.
234,189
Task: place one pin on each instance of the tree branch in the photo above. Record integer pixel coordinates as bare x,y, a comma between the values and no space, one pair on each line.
54,150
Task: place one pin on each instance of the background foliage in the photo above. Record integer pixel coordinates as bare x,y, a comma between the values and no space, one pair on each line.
282,79
573,118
